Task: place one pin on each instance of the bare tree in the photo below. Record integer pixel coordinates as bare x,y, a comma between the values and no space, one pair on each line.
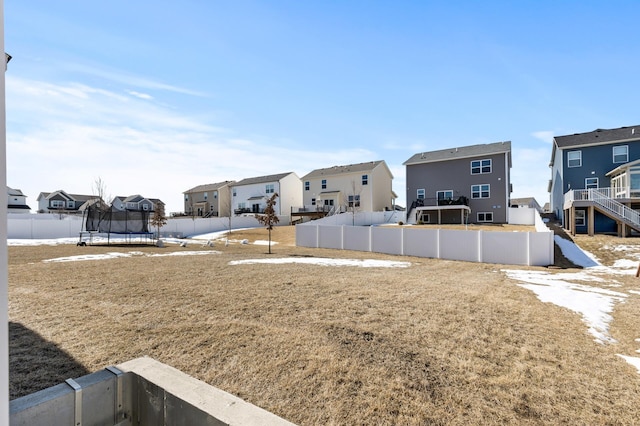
100,192
158,219
352,201
269,218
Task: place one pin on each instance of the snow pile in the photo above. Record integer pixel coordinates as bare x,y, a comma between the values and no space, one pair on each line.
365,263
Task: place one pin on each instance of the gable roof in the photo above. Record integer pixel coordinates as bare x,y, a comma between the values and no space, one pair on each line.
349,168
262,179
598,137
461,152
15,192
208,187
74,197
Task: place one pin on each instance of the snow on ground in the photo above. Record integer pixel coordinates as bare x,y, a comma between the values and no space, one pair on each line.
365,263
115,255
568,289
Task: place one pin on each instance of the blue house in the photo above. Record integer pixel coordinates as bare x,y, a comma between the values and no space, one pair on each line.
595,181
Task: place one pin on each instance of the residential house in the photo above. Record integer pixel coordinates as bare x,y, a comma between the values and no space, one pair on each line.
250,195
213,199
469,184
354,187
62,202
135,202
529,202
595,180
17,201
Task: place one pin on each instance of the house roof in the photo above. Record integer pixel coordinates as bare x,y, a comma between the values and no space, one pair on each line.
349,168
460,152
262,179
598,137
14,192
75,197
208,187
525,200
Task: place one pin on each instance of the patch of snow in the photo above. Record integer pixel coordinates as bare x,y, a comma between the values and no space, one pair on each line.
575,254
635,361
115,255
634,291
263,242
593,303
365,263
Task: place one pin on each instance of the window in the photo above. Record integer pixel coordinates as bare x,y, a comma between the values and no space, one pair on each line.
206,195
574,159
186,197
485,217
307,186
480,167
57,204
590,183
324,184
480,191
234,192
145,207
621,154
444,195
270,188
365,180
580,217
70,204
242,205
354,201
215,195
420,194
313,201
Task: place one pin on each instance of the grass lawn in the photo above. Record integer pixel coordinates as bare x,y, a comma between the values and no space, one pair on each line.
437,341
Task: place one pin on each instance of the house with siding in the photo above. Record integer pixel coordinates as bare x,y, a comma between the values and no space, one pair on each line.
365,187
135,202
595,181
250,195
16,201
212,199
526,202
61,202
469,184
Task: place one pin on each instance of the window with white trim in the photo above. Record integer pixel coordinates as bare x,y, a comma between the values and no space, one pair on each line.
206,195
580,217
574,159
215,195
307,185
313,201
324,184
481,191
590,183
270,188
56,204
485,217
621,154
71,204
444,195
354,201
481,166
365,180
420,194
234,192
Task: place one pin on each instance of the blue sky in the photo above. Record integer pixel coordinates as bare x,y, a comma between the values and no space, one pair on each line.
157,97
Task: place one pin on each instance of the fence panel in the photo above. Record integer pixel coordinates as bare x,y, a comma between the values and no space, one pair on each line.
511,248
386,240
459,245
541,248
306,236
421,242
330,237
356,238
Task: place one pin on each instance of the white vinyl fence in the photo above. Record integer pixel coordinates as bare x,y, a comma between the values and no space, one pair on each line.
510,248
47,226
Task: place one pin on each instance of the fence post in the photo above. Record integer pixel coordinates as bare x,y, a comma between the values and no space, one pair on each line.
480,246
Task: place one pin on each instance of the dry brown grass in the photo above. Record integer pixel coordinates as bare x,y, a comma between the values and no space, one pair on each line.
440,342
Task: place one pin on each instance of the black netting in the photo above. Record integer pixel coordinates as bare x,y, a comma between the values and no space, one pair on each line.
116,221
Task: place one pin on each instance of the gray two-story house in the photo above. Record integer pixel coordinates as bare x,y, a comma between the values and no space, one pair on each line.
595,180
212,199
469,184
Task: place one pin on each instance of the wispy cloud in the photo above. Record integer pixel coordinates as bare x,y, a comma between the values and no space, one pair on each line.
65,136
544,135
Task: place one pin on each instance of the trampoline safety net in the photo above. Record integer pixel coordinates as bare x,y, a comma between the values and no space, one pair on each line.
116,221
